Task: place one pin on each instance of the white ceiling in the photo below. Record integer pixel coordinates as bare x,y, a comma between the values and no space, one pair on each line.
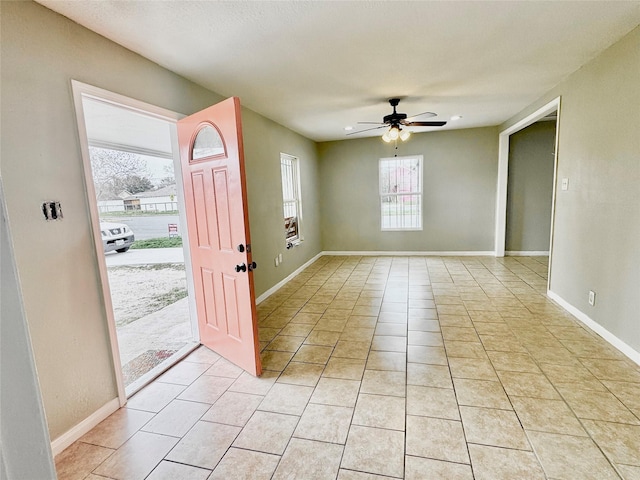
316,67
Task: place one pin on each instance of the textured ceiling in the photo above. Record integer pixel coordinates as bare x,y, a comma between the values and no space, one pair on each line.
316,67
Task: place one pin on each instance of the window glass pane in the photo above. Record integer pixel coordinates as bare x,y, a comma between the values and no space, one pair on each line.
401,193
207,144
290,196
386,180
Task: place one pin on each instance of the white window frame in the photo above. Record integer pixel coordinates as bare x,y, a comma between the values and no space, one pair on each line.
418,192
292,178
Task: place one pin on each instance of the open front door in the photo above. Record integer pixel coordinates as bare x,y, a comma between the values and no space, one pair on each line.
212,159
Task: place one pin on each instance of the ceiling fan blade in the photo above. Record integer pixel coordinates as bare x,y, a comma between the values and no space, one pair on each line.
425,124
371,123
429,114
366,130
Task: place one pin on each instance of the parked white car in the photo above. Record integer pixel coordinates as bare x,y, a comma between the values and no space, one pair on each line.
116,236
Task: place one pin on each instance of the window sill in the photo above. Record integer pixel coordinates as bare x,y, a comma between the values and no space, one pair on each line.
293,243
401,229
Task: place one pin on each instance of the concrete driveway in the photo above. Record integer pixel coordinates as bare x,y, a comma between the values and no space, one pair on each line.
145,256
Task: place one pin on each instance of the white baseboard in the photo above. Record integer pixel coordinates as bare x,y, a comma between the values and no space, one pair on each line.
73,434
391,253
281,283
596,327
531,253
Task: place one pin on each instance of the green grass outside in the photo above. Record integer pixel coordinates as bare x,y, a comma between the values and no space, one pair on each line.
150,266
162,242
158,302
401,209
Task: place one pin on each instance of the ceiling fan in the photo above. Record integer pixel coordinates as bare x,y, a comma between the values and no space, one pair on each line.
396,121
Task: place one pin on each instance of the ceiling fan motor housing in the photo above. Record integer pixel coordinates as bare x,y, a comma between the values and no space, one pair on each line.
394,118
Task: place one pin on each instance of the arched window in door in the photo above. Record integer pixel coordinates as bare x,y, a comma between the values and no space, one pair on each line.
208,143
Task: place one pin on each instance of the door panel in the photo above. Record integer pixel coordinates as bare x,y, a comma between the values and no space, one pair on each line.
222,208
208,285
218,223
231,304
200,206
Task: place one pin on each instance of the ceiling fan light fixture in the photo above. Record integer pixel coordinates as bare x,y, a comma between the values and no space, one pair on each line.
386,137
394,133
404,135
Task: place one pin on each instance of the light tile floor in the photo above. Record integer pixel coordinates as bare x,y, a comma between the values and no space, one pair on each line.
389,367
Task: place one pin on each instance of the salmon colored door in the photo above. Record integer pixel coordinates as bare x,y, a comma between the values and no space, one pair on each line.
212,159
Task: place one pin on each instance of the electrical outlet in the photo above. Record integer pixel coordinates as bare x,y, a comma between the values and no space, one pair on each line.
277,262
592,298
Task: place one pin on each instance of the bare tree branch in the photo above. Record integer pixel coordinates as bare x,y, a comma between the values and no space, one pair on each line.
115,171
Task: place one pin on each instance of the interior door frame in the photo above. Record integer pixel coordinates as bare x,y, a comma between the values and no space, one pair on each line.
503,177
81,91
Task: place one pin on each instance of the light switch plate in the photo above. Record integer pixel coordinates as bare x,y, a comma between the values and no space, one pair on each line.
565,184
52,210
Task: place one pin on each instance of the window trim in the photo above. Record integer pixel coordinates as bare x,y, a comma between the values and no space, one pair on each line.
295,162
420,193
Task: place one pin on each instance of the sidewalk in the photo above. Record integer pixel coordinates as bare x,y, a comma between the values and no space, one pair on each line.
147,341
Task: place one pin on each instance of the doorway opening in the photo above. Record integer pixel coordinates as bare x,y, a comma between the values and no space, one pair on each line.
525,205
134,185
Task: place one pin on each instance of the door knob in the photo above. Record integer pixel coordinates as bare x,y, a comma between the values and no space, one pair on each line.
241,268
241,248
253,266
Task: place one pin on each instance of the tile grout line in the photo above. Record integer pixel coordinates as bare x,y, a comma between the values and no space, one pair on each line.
501,271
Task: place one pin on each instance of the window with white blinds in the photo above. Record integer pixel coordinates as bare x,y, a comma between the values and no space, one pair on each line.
289,167
401,193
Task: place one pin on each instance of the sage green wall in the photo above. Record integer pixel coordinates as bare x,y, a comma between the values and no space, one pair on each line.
530,188
597,220
459,170
41,52
264,141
